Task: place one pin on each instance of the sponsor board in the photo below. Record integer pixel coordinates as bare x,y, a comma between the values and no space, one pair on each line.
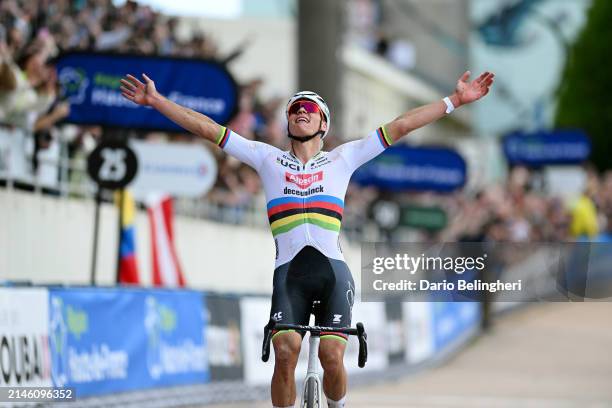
544,147
111,340
453,319
178,169
396,335
90,82
409,168
24,338
419,333
255,312
223,337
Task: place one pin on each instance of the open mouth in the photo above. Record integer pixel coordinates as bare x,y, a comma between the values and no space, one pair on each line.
301,120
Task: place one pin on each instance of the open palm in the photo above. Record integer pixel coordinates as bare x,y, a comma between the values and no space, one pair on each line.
469,92
138,92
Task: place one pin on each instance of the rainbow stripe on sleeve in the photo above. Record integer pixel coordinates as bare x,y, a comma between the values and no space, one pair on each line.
383,137
286,213
223,137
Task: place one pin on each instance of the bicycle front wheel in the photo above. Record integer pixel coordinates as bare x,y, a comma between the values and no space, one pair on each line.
312,398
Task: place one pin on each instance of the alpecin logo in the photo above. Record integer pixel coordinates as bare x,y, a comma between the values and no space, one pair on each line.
304,181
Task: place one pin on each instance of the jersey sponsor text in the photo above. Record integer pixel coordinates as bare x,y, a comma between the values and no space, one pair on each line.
315,190
304,180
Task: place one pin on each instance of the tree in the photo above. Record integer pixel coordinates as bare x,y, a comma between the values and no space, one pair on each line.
585,96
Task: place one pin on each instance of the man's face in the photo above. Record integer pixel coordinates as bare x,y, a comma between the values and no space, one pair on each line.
305,118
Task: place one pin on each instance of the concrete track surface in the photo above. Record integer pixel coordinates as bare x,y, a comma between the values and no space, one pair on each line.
553,355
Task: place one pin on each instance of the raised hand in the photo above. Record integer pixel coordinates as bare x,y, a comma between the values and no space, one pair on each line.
469,92
138,92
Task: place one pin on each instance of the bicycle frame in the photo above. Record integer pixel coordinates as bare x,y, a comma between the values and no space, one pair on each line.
313,368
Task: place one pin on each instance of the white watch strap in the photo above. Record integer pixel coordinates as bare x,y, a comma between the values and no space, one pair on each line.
449,105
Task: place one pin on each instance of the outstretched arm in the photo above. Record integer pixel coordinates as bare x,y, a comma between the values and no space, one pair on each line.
465,93
145,94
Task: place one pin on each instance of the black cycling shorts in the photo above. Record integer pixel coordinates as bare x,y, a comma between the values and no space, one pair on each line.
311,276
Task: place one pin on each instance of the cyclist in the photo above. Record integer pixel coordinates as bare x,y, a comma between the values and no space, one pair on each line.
305,189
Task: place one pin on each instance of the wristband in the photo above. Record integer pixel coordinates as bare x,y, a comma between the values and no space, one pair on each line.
449,105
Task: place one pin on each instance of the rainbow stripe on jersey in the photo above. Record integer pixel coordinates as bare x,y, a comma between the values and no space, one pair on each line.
287,213
383,137
223,137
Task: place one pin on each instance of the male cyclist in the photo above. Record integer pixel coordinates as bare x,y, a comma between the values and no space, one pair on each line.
305,190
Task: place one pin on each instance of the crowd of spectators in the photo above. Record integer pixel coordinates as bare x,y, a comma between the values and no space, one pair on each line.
518,212
32,33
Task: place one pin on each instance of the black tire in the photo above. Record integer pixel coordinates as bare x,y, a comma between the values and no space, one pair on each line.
311,391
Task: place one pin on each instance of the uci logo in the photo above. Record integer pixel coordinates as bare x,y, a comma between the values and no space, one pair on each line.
285,163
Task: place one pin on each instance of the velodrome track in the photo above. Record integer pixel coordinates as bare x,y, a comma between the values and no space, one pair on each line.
553,355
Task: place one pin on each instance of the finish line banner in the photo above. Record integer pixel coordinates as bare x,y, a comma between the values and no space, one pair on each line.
479,271
91,81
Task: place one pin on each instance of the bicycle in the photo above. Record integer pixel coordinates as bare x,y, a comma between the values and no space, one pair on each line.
312,388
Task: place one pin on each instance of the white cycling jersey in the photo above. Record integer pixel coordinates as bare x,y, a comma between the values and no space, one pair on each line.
304,201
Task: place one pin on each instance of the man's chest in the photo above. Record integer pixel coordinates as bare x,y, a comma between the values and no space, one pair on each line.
288,176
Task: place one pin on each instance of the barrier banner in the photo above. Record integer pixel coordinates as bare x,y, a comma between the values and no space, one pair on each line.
395,331
255,313
223,337
452,319
178,169
419,332
111,340
402,168
547,147
90,82
24,335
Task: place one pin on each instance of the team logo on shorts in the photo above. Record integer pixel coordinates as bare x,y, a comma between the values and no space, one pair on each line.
304,181
337,318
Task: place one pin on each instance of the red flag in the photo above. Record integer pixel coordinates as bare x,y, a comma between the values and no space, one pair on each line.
166,268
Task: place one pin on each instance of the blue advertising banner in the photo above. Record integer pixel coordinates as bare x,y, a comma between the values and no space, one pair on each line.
402,168
90,82
111,340
544,147
452,319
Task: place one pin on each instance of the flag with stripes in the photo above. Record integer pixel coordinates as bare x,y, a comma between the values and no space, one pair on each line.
128,265
166,267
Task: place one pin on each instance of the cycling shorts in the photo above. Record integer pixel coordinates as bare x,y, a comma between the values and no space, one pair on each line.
311,276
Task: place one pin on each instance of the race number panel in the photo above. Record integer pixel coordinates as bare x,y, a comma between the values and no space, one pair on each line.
113,165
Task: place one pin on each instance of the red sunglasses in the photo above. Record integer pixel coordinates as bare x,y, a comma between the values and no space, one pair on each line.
308,106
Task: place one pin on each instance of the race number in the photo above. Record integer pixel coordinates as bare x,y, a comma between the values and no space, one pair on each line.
113,165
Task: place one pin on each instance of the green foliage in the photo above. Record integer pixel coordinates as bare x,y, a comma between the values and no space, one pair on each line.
585,93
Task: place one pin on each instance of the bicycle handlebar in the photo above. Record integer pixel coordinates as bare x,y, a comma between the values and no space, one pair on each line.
359,331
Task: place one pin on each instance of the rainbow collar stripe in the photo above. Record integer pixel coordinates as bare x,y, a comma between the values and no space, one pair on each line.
383,137
287,213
